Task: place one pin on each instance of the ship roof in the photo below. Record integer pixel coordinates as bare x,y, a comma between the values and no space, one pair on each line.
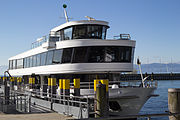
81,22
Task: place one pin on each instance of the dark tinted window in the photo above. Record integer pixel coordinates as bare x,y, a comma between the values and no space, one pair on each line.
57,56
132,55
94,32
67,53
96,54
80,32
92,54
102,54
49,57
38,57
111,54
125,54
80,55
89,32
43,58
128,54
62,34
104,29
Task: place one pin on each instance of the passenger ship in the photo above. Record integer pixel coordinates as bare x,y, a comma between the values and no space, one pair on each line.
79,49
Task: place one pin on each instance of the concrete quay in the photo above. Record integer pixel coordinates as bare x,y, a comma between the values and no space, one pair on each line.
40,116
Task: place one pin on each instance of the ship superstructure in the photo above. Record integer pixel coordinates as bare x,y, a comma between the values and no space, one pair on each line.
76,47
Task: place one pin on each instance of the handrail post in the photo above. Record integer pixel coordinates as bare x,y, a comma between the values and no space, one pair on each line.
87,107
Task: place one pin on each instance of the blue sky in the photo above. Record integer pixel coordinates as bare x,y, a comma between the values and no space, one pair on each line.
154,24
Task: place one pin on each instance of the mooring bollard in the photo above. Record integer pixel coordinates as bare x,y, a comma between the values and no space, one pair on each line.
53,90
33,83
76,90
19,81
77,87
101,101
61,89
12,79
174,102
49,87
1,81
66,88
30,83
53,86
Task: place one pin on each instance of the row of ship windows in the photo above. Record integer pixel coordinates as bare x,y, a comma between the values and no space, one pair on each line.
94,54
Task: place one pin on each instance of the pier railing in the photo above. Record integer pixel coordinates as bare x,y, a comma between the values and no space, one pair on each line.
81,102
15,101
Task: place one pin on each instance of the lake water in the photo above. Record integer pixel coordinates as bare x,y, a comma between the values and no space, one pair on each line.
160,104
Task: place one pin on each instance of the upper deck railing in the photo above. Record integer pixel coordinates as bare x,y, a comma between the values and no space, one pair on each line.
44,39
39,42
57,37
123,37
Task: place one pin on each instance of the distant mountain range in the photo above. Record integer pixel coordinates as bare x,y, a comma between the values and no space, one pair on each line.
159,68
149,68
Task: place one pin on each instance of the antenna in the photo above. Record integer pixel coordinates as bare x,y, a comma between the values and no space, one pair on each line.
89,18
65,13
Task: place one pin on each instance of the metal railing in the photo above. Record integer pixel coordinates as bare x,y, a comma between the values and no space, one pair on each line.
123,37
121,84
44,39
77,101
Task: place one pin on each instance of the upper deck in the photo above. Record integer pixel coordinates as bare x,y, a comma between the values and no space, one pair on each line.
84,29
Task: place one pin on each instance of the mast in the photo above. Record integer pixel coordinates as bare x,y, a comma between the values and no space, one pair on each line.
65,13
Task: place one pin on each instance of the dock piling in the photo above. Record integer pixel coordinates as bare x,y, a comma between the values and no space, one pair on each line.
101,100
174,102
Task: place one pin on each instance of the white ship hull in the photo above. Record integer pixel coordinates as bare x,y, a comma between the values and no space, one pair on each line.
130,99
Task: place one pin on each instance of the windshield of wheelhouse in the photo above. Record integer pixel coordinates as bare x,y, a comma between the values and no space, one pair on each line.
83,32
89,32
